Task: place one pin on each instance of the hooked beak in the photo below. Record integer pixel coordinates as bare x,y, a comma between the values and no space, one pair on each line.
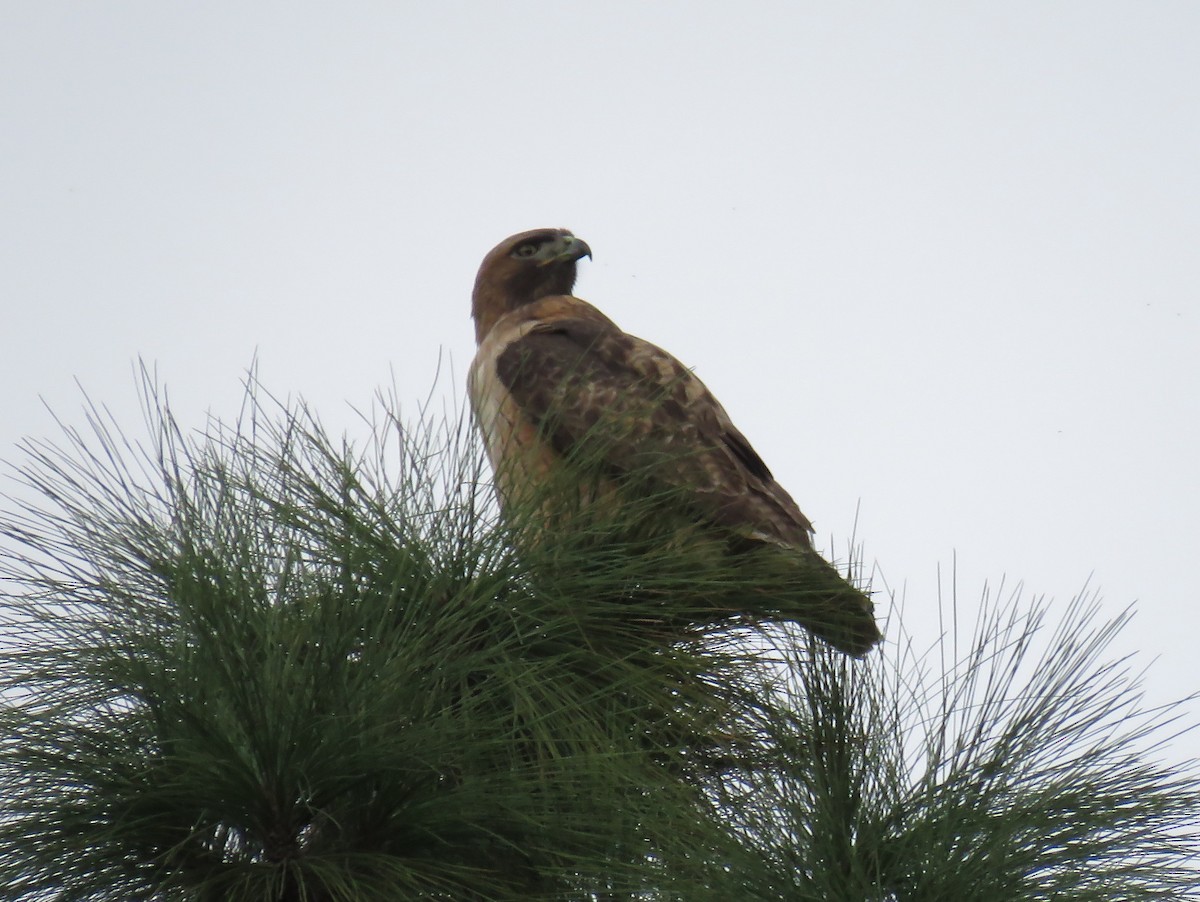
567,249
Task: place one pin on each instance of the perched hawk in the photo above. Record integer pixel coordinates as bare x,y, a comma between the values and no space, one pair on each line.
553,376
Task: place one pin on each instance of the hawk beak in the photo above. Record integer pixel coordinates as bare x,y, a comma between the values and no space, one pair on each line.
568,249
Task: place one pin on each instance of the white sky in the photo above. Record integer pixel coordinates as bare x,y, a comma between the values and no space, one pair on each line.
938,259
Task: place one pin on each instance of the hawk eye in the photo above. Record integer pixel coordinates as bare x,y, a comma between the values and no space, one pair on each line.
526,250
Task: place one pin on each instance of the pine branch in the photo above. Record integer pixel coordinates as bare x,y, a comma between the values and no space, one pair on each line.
1025,770
260,662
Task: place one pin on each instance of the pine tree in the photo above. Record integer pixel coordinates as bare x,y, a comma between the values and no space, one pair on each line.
263,663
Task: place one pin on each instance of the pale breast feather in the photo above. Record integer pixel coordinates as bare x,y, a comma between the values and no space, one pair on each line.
514,445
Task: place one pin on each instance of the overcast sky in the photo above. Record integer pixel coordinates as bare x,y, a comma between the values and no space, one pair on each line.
940,261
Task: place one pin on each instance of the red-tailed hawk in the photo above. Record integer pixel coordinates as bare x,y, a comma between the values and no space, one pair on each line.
553,375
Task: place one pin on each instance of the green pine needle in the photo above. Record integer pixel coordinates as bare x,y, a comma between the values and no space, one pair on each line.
260,662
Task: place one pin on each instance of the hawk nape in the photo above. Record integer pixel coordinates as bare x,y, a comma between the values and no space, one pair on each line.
553,376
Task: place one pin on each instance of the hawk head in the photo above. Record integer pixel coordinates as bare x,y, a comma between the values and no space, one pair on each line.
522,269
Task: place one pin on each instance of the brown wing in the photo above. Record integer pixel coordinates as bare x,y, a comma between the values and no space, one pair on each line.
581,378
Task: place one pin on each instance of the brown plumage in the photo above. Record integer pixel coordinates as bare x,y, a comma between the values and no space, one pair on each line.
554,376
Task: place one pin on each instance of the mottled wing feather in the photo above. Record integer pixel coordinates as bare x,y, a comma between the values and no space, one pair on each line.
582,380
